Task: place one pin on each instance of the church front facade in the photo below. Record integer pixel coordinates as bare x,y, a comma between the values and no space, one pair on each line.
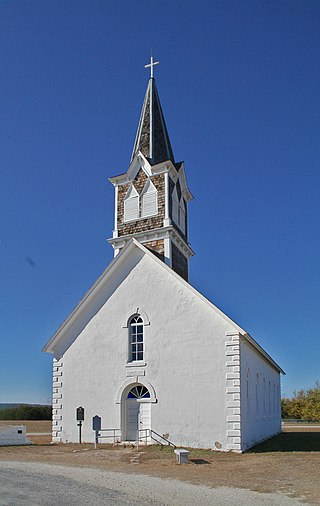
143,349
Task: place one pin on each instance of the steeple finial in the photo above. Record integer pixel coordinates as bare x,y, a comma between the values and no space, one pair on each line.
151,65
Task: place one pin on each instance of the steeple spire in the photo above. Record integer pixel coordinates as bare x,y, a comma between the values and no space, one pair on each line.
152,137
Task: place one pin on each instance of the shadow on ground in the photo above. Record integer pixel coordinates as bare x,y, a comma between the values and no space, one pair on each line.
290,442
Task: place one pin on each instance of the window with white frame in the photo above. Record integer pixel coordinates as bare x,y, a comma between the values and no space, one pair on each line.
136,339
149,200
257,394
131,204
178,210
248,392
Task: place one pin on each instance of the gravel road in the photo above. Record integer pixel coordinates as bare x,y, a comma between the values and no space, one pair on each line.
46,485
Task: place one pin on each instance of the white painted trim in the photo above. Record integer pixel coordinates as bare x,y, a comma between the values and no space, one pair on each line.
180,243
115,232
184,186
153,235
168,251
137,364
151,84
140,311
166,221
131,381
152,170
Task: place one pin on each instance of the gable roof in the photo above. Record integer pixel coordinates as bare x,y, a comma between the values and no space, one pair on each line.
85,310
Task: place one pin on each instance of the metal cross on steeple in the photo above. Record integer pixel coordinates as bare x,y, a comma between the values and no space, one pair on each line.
151,65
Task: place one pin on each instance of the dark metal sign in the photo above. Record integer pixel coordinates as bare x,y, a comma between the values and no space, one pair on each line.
80,414
96,422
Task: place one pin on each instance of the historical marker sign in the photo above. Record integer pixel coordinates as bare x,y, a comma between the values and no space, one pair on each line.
96,422
80,414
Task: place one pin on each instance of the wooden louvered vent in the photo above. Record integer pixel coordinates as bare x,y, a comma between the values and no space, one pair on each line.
131,205
149,204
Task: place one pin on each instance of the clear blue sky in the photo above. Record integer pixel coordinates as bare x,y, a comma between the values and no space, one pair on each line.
239,85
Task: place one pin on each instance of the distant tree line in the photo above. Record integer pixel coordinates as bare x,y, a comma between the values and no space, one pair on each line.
26,412
304,405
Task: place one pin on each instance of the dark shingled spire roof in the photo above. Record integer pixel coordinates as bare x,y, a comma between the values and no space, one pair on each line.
152,137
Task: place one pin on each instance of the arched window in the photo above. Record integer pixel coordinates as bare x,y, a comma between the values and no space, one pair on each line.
131,204
149,200
139,392
136,338
248,392
257,394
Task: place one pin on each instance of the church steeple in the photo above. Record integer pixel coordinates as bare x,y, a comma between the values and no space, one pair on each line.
151,197
152,137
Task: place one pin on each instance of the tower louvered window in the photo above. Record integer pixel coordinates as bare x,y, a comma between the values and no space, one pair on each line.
179,211
149,200
175,207
131,204
182,216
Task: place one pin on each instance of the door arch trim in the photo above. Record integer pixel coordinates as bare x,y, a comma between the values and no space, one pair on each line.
131,381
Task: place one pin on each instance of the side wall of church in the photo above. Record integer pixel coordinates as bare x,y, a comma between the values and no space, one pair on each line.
184,361
260,397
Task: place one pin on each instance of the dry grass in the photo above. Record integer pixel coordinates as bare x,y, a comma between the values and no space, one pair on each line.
282,464
32,425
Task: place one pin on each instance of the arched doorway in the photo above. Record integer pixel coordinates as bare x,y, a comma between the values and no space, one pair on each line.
136,412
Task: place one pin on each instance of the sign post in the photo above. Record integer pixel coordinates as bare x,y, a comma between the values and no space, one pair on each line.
80,419
96,426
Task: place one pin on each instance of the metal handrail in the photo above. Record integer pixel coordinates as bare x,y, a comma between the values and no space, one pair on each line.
169,443
113,435
116,435
150,433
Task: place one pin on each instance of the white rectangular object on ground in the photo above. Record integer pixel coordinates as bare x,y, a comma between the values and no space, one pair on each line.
182,455
13,435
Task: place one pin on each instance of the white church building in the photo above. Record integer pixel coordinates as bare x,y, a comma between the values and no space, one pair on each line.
145,350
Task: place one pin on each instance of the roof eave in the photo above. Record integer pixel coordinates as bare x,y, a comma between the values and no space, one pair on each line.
86,299
259,348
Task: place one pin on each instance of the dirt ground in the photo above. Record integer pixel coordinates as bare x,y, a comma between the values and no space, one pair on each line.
272,466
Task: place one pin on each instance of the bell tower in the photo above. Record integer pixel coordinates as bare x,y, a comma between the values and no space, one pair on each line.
152,196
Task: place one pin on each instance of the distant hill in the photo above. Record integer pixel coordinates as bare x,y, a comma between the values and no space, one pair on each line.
15,411
4,405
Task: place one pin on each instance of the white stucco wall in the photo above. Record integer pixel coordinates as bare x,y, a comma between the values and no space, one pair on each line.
184,355
260,397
